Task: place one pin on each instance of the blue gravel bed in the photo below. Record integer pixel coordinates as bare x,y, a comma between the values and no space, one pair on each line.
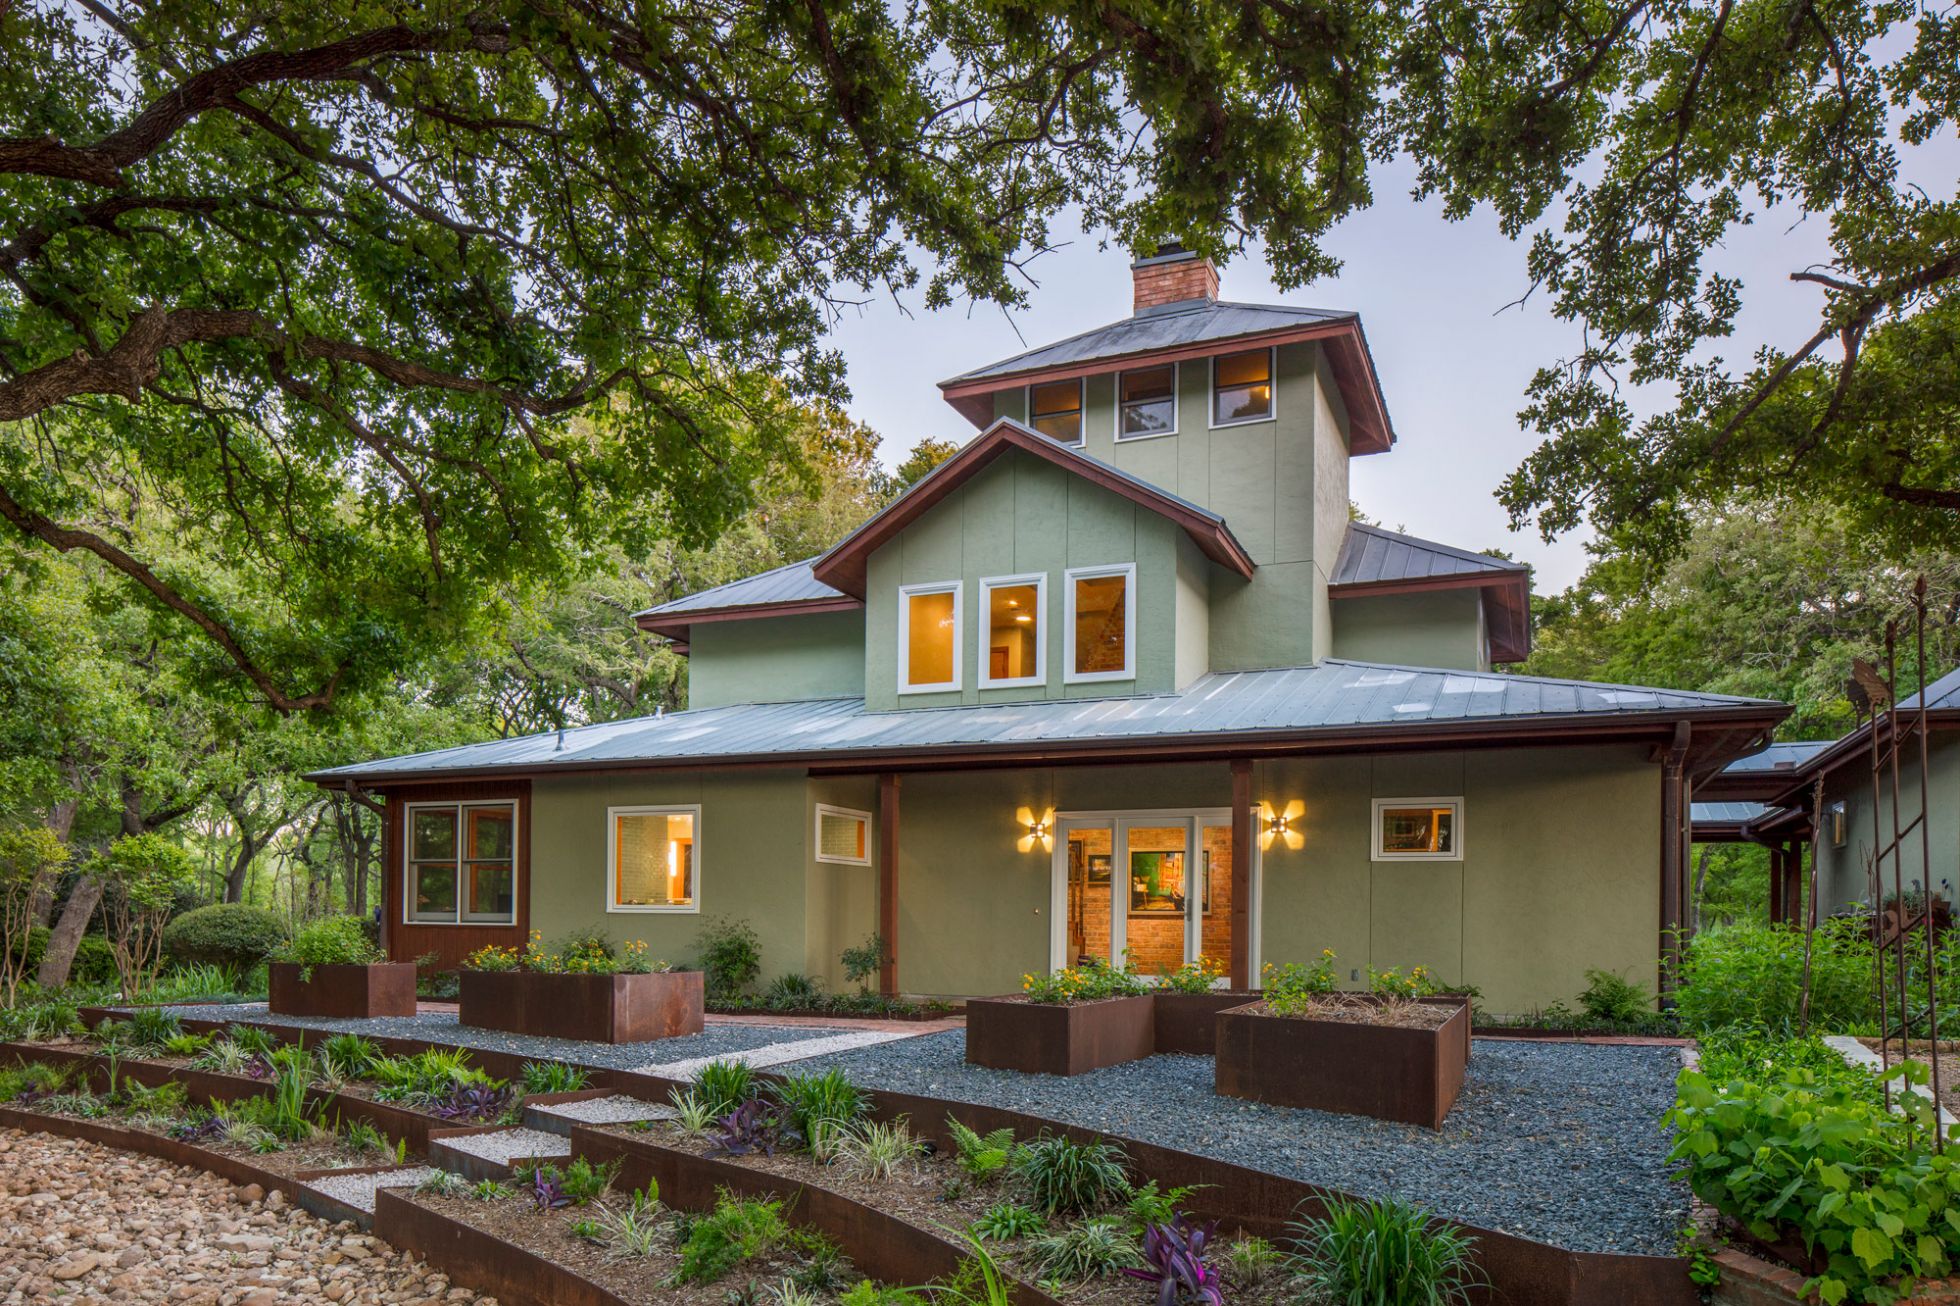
442,1027
1558,1142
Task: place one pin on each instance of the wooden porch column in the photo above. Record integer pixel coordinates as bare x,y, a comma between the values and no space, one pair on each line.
1793,881
1242,836
1778,873
888,882
1674,860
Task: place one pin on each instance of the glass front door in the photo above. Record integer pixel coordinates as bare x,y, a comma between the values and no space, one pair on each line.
1159,887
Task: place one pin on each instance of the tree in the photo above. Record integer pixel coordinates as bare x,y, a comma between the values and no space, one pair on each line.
142,876
926,455
31,857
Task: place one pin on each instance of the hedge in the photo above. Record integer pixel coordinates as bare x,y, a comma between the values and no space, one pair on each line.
224,934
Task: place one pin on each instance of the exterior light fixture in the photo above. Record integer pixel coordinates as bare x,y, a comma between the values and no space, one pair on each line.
1036,831
1283,826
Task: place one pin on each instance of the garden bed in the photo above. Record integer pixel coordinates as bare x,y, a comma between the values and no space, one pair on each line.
616,1008
382,989
1356,1055
1050,1038
1184,1021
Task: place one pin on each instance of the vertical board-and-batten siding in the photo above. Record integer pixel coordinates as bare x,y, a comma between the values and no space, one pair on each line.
450,943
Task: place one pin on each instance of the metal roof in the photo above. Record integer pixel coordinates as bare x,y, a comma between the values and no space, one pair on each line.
1779,757
1725,813
1333,696
1370,555
790,583
1167,327
1942,693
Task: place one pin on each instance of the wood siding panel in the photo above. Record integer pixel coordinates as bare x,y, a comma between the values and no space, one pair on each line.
451,943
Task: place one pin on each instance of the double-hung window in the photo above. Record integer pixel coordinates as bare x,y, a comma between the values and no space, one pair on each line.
1055,410
1418,830
1014,631
653,859
1146,402
1099,623
928,637
462,864
1242,387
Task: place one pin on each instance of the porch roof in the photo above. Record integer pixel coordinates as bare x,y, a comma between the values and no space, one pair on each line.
1333,704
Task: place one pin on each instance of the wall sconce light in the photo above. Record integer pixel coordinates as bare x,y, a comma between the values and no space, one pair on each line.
1282,826
1036,831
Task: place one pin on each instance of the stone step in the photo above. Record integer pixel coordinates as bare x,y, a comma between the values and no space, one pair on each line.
559,1117
492,1153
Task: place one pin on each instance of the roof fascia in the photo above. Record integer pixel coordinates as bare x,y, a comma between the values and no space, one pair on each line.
674,625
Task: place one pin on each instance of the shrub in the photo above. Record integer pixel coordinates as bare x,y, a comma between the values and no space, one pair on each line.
32,857
1092,981
1195,976
737,1231
724,1085
553,1077
793,992
731,955
1385,1253
330,941
94,963
863,962
1753,975
1006,1221
1614,1000
141,877
1065,1177
1737,1053
821,1101
230,934
1291,989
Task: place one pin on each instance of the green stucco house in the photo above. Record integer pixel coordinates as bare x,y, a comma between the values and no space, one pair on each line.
1119,675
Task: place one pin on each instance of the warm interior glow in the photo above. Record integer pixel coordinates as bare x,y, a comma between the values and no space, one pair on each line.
1101,624
930,638
653,859
1012,632
1242,386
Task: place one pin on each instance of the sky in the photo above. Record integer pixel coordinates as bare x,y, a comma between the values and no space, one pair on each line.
1432,294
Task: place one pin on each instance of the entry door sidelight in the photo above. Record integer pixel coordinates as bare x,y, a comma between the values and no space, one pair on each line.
1089,922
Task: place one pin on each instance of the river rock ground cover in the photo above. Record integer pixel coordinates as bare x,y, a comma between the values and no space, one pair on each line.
81,1222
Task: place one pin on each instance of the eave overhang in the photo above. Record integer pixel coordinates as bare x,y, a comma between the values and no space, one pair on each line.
1506,598
677,626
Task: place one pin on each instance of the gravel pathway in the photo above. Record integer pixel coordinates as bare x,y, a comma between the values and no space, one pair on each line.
81,1222
442,1027
605,1111
357,1190
1557,1142
506,1145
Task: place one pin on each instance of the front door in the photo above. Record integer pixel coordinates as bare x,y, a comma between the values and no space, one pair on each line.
1157,886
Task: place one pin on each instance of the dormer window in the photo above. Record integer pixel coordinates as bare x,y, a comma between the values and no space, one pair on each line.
1147,403
1014,605
1099,624
1055,410
1242,387
928,637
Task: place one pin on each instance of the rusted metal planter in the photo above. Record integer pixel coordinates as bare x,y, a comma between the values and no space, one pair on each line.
1012,1033
493,1267
589,1008
1389,1072
1184,1020
353,992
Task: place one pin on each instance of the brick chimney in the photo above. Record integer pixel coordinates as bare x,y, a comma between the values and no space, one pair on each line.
1173,275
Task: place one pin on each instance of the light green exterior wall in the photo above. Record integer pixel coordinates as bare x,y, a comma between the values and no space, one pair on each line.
1842,871
1023,516
1441,628
776,659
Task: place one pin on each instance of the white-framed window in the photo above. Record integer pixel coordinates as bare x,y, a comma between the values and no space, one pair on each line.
461,863
653,859
1013,634
928,637
1146,402
1242,387
1099,610
1055,409
843,835
1418,830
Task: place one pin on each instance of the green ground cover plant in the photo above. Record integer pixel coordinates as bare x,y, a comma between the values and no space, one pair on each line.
329,941
1382,1253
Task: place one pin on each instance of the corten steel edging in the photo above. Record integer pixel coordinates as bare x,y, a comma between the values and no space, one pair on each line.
1011,1033
468,1164
1385,1071
332,1209
882,1246
589,1008
352,992
1183,1021
550,1124
488,1264
232,1169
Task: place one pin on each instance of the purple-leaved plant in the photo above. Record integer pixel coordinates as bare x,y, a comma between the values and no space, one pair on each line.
1174,1259
547,1192
473,1102
755,1126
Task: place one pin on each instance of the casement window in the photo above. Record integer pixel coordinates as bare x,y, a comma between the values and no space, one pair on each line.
1418,830
1055,410
928,637
1146,402
462,864
843,835
1013,636
653,859
1242,387
1099,624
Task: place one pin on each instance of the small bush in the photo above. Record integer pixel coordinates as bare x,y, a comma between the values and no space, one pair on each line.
230,934
731,955
793,992
1386,1253
331,941
553,1077
724,1085
1092,981
737,1231
1006,1221
1065,1177
863,962
1291,989
1753,975
94,963
1088,1250
1613,1000
819,1101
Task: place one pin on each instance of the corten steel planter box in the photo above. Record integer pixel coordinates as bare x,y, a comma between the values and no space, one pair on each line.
1389,1072
1184,1020
1012,1033
589,1008
354,992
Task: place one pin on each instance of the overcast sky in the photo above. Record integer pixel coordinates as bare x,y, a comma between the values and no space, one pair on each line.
1454,361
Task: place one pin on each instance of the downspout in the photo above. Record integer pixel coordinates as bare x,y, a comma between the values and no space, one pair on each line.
1674,855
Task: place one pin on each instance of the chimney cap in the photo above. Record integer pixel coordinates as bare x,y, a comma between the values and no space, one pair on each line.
1169,251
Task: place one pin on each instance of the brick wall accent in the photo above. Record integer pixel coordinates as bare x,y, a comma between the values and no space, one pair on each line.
1167,283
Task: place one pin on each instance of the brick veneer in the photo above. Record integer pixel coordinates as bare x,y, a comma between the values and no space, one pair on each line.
1178,279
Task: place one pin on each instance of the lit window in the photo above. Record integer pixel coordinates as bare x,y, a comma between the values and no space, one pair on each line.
653,858
1097,627
1418,829
1242,387
843,835
1055,410
462,864
928,637
1147,403
1014,654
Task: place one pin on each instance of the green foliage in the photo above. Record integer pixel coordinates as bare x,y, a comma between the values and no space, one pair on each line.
232,934
731,955
878,1150
793,992
1384,1253
1290,990
331,941
819,1100
724,1084
1064,1177
1148,1205
150,1029
31,1077
867,1293
1740,1053
1088,1249
1198,976
982,1156
863,961
736,1231
1614,1000
95,961
693,1113
631,1229
349,1055
1787,1153
1753,975
1092,981
553,1077
1006,1221
32,857
584,1182
142,875
1249,1261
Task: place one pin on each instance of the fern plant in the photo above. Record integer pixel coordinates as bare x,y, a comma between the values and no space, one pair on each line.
982,1156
